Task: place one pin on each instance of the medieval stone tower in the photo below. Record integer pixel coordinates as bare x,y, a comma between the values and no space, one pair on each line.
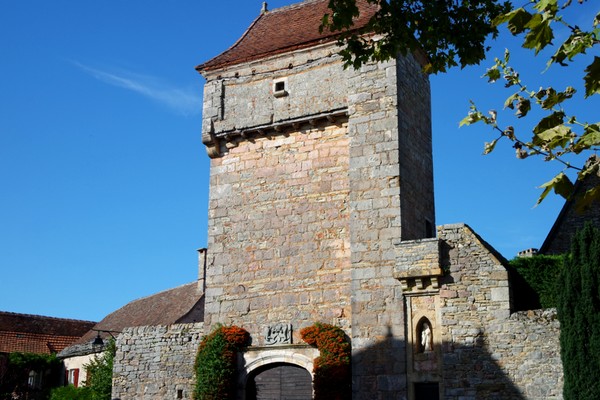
317,173
321,210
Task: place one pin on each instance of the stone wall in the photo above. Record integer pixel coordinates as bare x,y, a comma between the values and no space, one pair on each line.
480,350
156,362
279,248
527,348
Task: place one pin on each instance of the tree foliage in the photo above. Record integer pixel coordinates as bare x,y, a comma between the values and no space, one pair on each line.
579,315
16,369
449,32
454,32
99,373
559,134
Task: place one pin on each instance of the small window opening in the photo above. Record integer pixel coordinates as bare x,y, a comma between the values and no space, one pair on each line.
180,393
279,87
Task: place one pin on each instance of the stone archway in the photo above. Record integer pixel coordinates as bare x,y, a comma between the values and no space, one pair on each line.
279,381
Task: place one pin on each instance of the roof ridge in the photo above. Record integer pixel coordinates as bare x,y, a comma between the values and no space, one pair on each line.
44,316
161,292
294,5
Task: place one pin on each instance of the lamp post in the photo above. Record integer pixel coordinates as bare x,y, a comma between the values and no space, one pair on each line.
98,342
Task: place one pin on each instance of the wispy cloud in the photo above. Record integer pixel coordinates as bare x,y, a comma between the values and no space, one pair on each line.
181,100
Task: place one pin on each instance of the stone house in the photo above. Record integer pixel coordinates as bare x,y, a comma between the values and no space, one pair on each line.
180,305
572,217
321,209
24,333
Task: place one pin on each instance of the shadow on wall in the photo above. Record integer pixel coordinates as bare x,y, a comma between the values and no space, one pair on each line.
462,372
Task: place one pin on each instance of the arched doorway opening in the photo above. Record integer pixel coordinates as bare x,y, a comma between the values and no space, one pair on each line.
279,381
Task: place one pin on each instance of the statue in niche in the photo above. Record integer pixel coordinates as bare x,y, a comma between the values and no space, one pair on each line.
278,334
426,337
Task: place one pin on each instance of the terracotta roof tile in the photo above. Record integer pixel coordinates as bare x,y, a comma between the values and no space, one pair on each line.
165,308
39,334
282,30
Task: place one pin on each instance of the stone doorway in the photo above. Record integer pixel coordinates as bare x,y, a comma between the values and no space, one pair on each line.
279,381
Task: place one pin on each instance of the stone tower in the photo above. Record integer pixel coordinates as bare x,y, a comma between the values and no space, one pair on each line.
317,174
321,210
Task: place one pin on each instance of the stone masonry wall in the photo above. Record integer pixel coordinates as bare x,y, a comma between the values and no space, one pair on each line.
302,221
156,362
279,249
486,351
381,186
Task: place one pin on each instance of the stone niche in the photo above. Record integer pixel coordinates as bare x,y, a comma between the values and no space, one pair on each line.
419,271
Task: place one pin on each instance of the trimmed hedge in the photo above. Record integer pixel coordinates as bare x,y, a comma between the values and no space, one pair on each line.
535,284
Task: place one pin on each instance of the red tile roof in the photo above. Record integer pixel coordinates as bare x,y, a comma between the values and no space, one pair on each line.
282,30
181,304
38,334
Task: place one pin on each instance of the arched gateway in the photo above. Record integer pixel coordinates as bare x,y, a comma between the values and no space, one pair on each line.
279,381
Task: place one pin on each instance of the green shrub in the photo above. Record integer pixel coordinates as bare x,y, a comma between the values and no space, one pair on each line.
99,373
16,368
538,286
579,316
71,393
333,375
216,363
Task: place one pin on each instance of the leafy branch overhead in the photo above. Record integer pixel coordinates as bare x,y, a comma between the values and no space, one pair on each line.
558,135
453,32
449,32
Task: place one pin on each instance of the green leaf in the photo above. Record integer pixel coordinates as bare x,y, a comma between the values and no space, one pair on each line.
559,136
509,103
575,44
549,122
553,98
550,6
590,196
523,107
592,77
493,74
516,19
489,146
472,118
590,137
540,34
561,184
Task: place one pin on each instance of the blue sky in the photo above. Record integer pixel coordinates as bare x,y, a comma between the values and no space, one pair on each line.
104,179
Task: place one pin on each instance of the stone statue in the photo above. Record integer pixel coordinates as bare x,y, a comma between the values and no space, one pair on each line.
426,337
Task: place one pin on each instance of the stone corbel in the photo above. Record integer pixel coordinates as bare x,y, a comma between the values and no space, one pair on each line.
210,140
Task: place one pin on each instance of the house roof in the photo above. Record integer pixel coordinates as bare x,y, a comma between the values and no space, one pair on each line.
284,29
179,305
38,334
570,219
